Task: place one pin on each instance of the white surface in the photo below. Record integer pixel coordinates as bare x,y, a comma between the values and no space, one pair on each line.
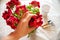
53,15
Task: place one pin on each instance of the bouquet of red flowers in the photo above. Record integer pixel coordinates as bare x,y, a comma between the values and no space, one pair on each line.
15,11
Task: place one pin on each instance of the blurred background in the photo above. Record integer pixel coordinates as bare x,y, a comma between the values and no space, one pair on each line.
53,15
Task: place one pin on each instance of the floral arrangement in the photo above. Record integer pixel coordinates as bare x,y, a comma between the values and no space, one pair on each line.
13,17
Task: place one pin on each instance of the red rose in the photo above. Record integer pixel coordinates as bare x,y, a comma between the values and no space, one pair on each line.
35,4
12,21
21,9
13,26
17,11
7,14
16,2
36,21
11,3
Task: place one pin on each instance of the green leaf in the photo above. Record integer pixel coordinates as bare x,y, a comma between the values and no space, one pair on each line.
29,7
21,11
16,15
32,9
36,9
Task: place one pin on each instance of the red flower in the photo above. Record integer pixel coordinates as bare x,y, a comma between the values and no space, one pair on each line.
13,26
16,2
11,3
12,21
35,4
21,9
36,21
17,11
7,14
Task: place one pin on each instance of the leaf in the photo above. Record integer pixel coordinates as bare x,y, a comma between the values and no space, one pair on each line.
29,7
16,15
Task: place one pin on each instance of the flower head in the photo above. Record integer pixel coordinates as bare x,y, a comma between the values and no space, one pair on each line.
7,14
16,2
36,21
35,4
12,21
21,9
11,3
12,16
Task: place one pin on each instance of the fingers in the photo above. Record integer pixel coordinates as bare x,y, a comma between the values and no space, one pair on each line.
24,14
28,16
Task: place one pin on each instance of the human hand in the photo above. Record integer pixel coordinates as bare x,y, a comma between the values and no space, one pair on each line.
22,28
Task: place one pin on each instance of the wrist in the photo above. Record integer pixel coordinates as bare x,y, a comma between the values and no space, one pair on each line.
14,36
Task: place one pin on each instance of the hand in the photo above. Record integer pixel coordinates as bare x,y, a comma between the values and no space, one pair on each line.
22,28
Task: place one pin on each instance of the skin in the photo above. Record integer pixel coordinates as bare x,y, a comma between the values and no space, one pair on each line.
22,28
